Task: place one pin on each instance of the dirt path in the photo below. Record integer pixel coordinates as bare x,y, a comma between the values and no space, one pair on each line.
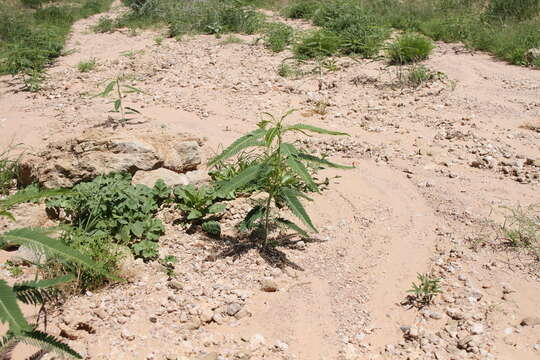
412,202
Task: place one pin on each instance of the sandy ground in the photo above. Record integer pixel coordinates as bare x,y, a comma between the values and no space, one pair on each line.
433,165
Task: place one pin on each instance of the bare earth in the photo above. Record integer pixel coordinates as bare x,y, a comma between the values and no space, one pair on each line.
433,166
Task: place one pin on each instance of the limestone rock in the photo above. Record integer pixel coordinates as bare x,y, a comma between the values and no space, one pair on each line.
96,152
149,178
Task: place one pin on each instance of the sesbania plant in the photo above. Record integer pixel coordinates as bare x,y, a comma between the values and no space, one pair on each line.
280,170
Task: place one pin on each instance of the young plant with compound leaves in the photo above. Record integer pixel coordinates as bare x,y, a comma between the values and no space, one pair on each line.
281,173
121,89
428,287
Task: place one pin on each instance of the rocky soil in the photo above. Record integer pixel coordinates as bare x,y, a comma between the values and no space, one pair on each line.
434,166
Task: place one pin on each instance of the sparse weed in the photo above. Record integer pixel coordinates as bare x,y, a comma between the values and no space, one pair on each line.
514,9
9,172
428,287
280,172
278,36
416,75
158,40
86,66
14,269
231,40
168,265
521,229
105,25
409,48
292,70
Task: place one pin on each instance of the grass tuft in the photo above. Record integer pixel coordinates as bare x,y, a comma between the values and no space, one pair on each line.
409,48
278,36
86,66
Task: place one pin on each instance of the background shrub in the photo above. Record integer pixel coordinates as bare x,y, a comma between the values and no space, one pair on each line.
517,9
409,48
316,44
278,36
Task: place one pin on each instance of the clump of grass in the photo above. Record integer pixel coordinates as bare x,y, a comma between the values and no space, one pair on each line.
86,66
417,75
300,9
231,39
9,172
287,70
521,229
30,40
158,40
317,44
105,25
278,36
514,9
425,291
409,48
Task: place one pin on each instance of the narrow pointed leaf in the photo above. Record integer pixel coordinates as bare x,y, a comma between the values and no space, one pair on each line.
37,240
318,130
194,214
117,104
323,162
133,111
296,207
288,149
132,89
246,176
252,216
292,226
39,292
10,312
240,144
300,170
25,196
108,89
48,342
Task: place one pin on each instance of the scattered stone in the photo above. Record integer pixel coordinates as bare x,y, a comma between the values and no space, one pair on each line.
256,341
126,335
281,346
530,321
269,286
436,315
233,309
477,329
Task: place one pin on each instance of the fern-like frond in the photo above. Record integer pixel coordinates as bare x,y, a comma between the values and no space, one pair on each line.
291,200
48,342
249,140
24,196
38,355
7,345
39,292
37,240
10,312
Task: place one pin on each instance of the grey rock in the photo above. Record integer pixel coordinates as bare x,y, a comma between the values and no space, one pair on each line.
233,309
477,329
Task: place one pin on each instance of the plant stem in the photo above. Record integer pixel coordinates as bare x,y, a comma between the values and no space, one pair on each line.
120,98
267,219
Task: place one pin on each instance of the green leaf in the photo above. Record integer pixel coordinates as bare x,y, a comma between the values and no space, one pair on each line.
37,240
323,162
211,227
194,214
252,216
132,110
26,196
246,176
10,312
108,89
117,104
38,292
137,228
292,226
217,208
132,89
301,171
251,139
292,202
318,130
7,344
47,342
288,149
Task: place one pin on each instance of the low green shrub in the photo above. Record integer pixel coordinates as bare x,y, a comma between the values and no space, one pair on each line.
278,36
105,25
9,172
86,66
317,44
409,48
111,206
